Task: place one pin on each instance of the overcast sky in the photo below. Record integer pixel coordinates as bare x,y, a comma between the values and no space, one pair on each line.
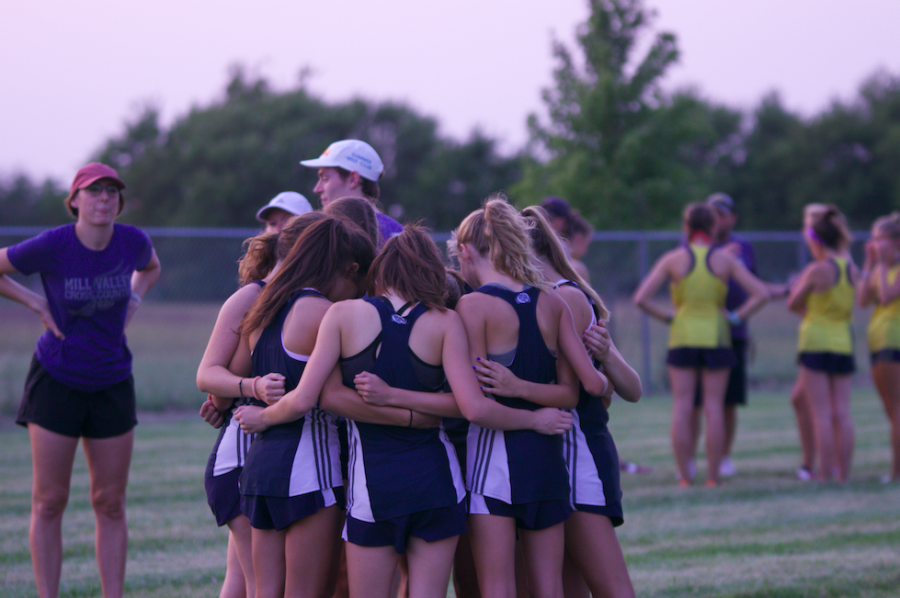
72,72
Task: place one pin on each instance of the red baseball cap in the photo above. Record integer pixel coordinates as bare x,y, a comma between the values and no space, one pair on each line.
87,175
94,172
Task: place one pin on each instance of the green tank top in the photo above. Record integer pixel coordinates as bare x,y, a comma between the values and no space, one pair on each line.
884,327
826,326
699,299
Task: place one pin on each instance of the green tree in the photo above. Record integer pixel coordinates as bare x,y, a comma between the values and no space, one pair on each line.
216,165
615,145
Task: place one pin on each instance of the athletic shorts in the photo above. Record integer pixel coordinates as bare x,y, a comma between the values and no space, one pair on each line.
692,357
279,512
532,516
431,525
885,356
223,495
736,392
59,408
831,363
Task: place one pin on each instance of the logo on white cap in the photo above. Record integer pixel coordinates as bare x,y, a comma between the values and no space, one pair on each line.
350,154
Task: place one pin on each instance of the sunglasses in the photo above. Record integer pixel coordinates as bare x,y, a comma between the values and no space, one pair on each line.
96,189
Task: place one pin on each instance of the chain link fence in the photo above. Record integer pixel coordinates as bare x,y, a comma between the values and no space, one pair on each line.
199,271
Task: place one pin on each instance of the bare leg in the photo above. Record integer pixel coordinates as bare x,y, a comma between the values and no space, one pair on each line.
887,380
574,585
714,384
52,455
543,551
108,462
818,391
429,566
268,562
309,553
493,540
465,582
843,424
239,572
696,430
342,585
731,422
805,426
592,542
683,382
370,570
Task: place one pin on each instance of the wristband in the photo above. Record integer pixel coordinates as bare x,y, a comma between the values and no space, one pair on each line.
136,297
241,388
410,418
253,388
733,318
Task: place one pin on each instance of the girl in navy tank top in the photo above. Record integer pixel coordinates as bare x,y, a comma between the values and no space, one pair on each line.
594,563
291,483
264,254
518,479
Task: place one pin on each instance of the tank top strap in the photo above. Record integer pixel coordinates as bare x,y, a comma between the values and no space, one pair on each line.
260,283
571,283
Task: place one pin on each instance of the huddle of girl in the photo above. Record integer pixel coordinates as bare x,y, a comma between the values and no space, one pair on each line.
336,335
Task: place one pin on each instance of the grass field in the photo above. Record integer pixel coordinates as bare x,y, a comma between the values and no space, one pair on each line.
168,339
763,534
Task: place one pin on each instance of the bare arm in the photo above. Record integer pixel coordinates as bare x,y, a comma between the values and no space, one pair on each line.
643,296
343,401
375,391
474,406
758,293
36,303
141,282
800,290
571,347
623,377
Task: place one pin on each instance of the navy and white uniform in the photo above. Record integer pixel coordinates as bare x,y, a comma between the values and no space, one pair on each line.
226,462
293,469
520,473
403,481
591,455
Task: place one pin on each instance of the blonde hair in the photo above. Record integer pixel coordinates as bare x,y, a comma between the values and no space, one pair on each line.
889,225
499,232
547,244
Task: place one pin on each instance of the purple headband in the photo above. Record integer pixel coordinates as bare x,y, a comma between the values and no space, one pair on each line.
811,235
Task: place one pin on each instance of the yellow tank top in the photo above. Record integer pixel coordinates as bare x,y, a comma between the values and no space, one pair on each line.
884,327
826,326
699,299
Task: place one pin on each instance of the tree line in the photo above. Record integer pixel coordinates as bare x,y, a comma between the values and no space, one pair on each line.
623,151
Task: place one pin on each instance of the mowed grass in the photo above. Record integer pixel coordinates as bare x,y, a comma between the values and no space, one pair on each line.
763,534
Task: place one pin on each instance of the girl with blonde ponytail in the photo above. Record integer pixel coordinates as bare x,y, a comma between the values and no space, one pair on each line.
517,479
880,285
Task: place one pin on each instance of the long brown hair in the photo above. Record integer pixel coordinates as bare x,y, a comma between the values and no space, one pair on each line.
326,249
547,244
259,257
410,264
358,211
498,231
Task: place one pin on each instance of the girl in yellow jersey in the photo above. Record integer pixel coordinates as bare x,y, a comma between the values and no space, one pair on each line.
880,285
700,338
824,295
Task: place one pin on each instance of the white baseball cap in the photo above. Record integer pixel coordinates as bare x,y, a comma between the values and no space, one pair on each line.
350,154
289,201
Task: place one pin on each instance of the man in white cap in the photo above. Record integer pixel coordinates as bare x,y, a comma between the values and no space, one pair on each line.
283,206
351,168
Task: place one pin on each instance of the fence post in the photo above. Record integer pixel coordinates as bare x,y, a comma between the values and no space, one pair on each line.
643,266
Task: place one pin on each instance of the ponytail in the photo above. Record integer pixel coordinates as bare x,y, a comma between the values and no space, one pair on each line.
547,245
500,233
410,265
831,230
326,249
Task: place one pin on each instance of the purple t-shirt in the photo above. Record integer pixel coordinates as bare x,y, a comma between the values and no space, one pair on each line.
388,227
88,292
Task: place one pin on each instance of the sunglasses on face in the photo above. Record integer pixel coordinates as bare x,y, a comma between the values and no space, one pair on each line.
96,189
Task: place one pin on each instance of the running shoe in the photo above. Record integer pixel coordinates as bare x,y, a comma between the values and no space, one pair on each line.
726,467
805,474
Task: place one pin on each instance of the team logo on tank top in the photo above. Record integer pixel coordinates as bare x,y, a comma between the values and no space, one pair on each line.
398,319
523,298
